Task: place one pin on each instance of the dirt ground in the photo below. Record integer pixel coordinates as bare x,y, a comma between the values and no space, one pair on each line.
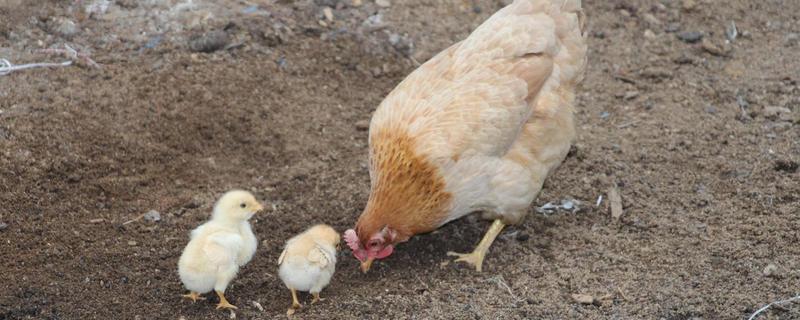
702,138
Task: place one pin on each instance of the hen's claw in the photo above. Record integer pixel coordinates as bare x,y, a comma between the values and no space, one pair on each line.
474,258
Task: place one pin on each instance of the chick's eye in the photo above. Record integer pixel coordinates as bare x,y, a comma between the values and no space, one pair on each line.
243,205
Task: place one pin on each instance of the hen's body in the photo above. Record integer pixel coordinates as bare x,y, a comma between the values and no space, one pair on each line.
481,125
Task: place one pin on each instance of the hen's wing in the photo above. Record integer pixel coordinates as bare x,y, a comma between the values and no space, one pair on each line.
476,96
221,248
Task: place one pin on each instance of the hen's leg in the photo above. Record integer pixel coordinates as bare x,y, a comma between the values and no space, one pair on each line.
476,257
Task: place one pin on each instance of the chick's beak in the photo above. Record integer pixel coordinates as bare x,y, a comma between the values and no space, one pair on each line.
259,207
366,264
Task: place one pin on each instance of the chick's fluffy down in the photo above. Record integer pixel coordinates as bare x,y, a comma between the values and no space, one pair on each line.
214,255
309,259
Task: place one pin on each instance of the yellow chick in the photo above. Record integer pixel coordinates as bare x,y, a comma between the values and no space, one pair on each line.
219,247
308,262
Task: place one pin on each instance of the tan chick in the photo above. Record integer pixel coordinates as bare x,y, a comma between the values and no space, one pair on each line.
219,247
308,262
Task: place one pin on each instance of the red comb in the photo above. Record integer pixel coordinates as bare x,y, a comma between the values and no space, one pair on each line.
351,238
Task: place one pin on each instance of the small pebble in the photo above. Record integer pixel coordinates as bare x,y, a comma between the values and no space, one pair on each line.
649,34
690,36
774,113
711,109
152,216
781,165
383,3
3,226
688,5
522,237
673,27
65,27
583,298
356,3
131,243
651,19
362,125
714,49
209,41
771,270
328,13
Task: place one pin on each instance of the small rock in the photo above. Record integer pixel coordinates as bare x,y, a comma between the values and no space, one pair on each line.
773,113
714,49
792,39
356,3
649,34
152,216
73,178
625,13
690,36
605,115
65,27
656,73
522,237
209,41
771,270
711,109
731,31
688,5
673,27
328,13
583,298
131,243
651,19
599,34
383,3
362,125
3,226
786,166
401,44
630,95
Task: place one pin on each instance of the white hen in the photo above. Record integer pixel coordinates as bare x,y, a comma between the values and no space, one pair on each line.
219,247
309,261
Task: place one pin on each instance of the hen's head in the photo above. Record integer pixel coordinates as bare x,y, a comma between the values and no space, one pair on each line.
377,245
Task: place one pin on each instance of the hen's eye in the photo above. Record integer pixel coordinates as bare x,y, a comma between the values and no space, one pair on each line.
243,205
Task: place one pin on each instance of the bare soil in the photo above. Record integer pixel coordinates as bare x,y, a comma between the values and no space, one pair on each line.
693,134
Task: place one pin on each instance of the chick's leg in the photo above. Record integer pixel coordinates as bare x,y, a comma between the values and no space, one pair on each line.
316,297
223,279
223,303
476,257
194,296
295,303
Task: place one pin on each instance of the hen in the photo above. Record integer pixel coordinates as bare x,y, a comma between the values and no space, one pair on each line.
479,127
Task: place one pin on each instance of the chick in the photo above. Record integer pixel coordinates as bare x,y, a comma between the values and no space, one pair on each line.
308,262
219,247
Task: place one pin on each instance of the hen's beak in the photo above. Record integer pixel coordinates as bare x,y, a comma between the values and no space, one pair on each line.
366,264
